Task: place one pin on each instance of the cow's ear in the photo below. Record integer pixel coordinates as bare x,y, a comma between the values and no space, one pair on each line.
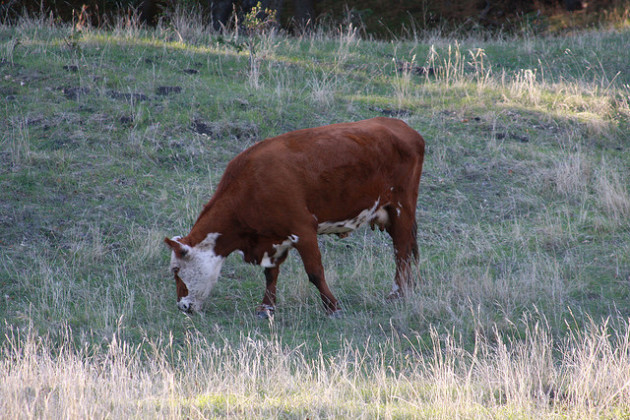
180,249
172,244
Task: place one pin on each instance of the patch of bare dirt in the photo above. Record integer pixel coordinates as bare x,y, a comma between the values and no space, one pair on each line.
236,130
74,93
168,90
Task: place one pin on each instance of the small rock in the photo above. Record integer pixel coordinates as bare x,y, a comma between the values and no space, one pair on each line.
200,127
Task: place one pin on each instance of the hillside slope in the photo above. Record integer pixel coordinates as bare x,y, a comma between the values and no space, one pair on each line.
111,140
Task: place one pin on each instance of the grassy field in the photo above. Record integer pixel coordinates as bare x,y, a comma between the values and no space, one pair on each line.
112,140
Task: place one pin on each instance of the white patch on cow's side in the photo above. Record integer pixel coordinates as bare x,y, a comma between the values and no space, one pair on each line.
375,214
280,250
199,269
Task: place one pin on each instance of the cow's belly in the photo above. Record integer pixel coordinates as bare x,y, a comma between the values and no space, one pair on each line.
376,215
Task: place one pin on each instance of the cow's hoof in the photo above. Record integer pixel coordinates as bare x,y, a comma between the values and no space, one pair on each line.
394,295
265,312
338,314
263,315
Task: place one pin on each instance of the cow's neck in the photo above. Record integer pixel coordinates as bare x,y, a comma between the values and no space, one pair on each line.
211,221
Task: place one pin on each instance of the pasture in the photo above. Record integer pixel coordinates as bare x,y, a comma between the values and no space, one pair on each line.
111,140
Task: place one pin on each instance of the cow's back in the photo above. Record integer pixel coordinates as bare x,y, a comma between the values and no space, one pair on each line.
333,172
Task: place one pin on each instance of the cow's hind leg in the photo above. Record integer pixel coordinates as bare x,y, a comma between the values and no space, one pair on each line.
268,306
311,258
403,231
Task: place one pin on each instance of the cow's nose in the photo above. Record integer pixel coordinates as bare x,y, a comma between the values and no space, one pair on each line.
184,306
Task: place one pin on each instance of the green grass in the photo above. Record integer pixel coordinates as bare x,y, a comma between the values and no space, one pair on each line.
523,219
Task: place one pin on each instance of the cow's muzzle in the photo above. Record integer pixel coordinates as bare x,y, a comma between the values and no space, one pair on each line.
185,306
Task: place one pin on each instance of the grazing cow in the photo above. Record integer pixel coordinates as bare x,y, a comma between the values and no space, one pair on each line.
284,191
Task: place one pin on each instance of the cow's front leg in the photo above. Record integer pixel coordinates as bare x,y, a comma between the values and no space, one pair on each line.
268,306
312,260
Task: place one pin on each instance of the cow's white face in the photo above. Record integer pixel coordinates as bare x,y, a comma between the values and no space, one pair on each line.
196,270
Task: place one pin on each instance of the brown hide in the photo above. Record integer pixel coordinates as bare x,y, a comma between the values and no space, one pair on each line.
286,186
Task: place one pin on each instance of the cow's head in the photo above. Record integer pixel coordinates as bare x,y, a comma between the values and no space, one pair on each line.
196,270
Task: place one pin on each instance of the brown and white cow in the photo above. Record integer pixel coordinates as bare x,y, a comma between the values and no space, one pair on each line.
284,191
